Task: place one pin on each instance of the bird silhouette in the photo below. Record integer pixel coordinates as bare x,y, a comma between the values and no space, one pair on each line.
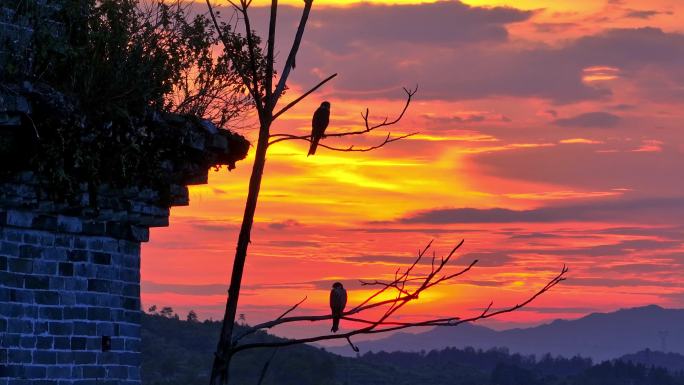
319,123
338,300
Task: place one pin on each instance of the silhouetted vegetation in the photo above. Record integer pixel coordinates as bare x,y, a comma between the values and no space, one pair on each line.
178,352
112,88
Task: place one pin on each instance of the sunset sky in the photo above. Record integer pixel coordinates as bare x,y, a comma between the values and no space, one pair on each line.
550,133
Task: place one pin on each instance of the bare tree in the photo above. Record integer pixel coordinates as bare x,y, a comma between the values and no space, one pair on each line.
256,72
407,286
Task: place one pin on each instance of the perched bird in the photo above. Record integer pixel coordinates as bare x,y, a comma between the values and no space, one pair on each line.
319,123
338,300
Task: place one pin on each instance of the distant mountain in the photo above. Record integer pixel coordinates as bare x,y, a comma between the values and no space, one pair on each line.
674,362
176,352
600,336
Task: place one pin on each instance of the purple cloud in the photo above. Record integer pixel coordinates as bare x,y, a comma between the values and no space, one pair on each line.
590,119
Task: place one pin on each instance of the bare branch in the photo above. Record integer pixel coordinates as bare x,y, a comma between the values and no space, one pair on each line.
367,127
294,102
269,54
289,63
393,326
226,44
292,308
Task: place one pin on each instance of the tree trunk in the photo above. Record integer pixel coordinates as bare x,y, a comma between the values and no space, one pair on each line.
221,366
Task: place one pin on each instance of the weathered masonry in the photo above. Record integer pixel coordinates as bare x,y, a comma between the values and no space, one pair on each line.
69,270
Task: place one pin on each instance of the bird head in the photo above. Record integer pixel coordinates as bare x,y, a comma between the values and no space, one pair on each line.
337,285
326,105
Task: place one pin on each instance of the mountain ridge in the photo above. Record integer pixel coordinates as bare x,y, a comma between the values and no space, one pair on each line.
600,336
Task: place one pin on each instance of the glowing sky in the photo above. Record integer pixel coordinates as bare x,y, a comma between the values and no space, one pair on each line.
550,134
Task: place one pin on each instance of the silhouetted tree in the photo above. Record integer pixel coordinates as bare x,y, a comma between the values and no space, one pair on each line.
256,71
192,316
166,311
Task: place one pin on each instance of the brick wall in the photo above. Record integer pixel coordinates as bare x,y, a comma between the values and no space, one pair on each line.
70,283
69,302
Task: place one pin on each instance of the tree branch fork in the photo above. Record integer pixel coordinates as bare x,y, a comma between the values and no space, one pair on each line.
406,287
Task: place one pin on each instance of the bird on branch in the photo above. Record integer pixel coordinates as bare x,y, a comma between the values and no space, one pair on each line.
319,123
338,300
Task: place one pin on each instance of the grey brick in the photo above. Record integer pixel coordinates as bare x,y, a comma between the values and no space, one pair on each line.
44,222
19,218
44,342
11,279
78,343
44,357
99,285
101,258
29,251
77,255
75,312
99,314
60,328
20,265
59,372
18,356
62,343
69,224
84,358
47,297
15,325
9,249
27,342
44,267
38,283
32,371
66,269
51,313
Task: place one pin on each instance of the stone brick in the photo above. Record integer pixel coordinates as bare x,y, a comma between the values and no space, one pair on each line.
27,342
47,298
44,342
85,358
42,266
39,283
9,249
3,263
77,255
78,343
66,269
84,328
59,372
15,325
30,251
11,280
44,222
62,343
19,356
19,218
69,224
61,328
94,371
44,357
20,265
51,313
75,312
99,285
99,314
33,371
101,258
94,228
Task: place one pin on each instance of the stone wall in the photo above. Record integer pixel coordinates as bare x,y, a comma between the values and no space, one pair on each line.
70,268
69,301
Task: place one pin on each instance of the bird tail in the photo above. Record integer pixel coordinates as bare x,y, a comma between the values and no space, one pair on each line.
336,325
314,144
